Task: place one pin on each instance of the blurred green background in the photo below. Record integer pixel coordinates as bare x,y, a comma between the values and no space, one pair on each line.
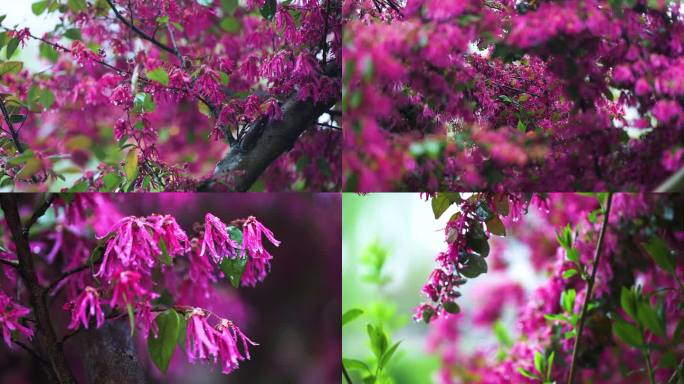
400,227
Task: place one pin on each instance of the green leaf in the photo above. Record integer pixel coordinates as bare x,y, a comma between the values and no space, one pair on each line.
496,226
231,25
549,364
81,186
162,346
77,5
539,362
46,97
48,52
111,181
165,258
480,246
17,118
351,315
234,269
159,75
387,356
378,340
11,67
661,254
452,307
269,9
522,127
73,34
628,302
143,103
39,7
648,317
183,332
569,273
628,333
572,254
12,46
502,334
555,317
355,365
131,317
568,300
229,6
527,373
440,203
131,165
476,266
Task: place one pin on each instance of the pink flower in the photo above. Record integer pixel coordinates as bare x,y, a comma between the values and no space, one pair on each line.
227,337
200,341
258,263
127,287
166,228
87,304
666,110
216,239
10,316
134,246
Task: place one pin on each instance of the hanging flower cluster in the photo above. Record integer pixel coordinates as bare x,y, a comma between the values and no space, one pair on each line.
148,269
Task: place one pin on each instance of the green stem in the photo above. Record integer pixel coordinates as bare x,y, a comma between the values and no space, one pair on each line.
649,368
590,286
346,374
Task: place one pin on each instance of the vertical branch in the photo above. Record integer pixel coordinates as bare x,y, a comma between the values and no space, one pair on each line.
590,286
13,133
45,334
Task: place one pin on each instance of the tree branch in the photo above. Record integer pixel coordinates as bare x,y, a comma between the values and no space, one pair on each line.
143,34
590,286
45,334
64,276
38,213
264,140
13,133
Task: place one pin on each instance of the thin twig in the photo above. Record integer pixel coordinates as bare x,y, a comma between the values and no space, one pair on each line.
29,350
590,286
39,212
64,276
11,263
142,33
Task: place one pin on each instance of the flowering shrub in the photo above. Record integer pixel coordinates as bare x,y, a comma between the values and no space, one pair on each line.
513,95
610,309
144,268
174,95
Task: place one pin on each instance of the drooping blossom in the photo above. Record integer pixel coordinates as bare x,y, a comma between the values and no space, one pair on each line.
259,259
131,246
216,240
87,305
227,337
167,229
200,341
11,314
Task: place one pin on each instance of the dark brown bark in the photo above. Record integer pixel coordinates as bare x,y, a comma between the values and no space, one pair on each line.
50,348
265,140
110,354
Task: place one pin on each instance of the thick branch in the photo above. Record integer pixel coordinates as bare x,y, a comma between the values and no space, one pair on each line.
45,334
590,286
265,140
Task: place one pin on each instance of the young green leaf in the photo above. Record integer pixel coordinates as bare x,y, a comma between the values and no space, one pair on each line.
351,315
440,203
111,181
162,346
378,340
355,365
628,333
234,269
131,317
496,226
549,364
661,254
159,75
387,356
628,302
39,7
648,317
11,67
164,257
528,374
539,362
569,273
131,165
